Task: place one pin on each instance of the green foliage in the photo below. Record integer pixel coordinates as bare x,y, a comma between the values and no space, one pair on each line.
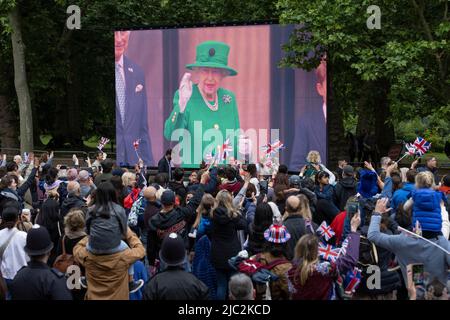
411,54
72,86
69,72
433,128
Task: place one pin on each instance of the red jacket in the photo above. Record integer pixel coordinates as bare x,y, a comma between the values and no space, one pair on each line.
338,226
233,187
445,190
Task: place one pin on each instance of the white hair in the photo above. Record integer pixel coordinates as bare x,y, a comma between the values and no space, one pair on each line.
241,287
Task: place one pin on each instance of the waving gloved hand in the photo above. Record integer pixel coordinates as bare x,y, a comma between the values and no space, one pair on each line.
185,91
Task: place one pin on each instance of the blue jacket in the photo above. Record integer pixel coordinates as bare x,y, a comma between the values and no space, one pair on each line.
427,209
140,272
202,267
204,227
401,195
326,193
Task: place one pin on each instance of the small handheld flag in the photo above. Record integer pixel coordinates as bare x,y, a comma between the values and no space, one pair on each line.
419,148
273,148
352,281
328,252
325,231
136,147
136,144
343,249
422,146
102,143
226,148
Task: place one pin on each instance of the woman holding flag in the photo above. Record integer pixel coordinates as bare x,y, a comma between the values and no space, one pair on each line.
311,278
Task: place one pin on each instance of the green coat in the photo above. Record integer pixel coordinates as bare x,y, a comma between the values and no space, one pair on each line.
226,117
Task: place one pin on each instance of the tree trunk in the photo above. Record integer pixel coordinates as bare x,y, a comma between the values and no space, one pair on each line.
20,82
8,135
384,131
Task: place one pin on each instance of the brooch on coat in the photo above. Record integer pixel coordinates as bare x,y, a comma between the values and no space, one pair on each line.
226,99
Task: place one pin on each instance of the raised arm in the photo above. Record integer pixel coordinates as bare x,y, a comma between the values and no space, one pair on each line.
332,176
238,198
350,258
388,242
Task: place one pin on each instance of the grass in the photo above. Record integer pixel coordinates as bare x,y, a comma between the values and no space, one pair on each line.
90,143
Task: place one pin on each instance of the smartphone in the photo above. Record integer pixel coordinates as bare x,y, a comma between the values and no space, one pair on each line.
352,209
264,186
418,274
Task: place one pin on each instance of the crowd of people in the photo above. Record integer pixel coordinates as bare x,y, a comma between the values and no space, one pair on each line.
228,232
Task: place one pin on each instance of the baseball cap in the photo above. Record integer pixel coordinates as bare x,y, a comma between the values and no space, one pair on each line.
168,197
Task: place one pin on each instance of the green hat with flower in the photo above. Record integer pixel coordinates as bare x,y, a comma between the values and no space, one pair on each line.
212,54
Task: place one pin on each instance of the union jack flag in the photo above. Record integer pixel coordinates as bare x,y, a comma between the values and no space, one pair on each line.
325,231
273,148
344,246
352,281
209,157
422,146
328,252
102,143
268,163
136,144
226,148
411,149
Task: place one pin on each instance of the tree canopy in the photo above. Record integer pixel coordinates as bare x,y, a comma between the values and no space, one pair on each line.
382,80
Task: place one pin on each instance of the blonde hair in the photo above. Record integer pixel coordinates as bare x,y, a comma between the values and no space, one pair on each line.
53,194
224,199
126,178
304,209
306,251
205,207
424,180
74,220
314,157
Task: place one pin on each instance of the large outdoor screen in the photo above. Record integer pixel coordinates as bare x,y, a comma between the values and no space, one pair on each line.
215,93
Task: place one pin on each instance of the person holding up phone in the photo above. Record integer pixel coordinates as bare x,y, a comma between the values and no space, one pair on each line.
410,250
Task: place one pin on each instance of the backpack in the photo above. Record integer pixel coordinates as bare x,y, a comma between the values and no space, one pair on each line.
63,261
310,172
368,254
260,274
131,198
273,264
137,210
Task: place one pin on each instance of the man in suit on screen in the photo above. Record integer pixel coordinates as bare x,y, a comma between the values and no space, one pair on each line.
311,127
131,106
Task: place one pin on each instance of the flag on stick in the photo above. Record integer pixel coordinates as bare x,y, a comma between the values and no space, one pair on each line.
102,143
273,148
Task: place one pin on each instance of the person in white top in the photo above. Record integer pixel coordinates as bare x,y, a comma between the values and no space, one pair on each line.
252,170
12,244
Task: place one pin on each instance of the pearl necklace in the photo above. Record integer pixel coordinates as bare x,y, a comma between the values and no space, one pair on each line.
213,107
